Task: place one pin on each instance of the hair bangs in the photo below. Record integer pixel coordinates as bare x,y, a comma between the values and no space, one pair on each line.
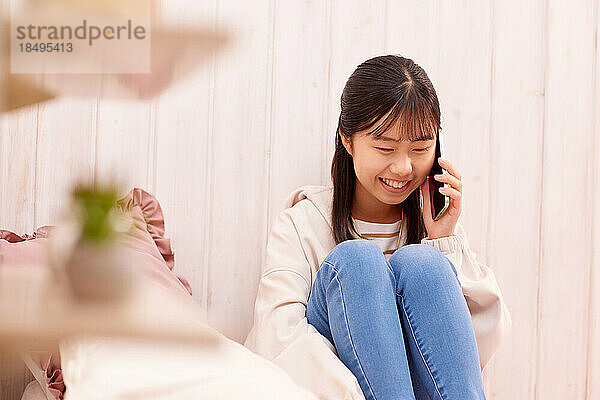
410,122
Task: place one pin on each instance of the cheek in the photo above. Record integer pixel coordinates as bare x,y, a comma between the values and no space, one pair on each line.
424,168
368,167
425,165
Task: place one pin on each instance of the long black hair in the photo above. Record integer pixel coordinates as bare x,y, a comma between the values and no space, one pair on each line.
386,85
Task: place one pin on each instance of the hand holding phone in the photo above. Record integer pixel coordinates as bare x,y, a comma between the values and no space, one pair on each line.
441,196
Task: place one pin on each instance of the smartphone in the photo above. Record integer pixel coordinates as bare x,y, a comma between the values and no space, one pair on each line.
438,201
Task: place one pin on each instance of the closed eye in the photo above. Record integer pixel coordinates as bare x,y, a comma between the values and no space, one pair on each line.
388,150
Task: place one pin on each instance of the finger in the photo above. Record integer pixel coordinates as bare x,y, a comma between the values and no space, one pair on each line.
447,165
455,196
449,179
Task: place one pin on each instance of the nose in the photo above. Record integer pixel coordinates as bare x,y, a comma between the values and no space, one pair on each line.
401,166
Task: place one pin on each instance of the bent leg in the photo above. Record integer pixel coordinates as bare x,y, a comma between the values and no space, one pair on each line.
353,304
442,347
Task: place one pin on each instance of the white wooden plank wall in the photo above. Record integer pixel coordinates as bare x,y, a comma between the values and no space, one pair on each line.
223,147
516,132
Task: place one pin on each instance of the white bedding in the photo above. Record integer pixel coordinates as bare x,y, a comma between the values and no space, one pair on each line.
120,368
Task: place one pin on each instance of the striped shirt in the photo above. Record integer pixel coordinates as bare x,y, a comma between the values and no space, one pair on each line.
385,236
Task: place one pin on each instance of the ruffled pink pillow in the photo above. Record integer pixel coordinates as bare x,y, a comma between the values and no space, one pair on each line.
25,249
146,239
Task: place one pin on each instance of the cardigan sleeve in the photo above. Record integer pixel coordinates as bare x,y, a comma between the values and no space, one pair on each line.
490,315
281,332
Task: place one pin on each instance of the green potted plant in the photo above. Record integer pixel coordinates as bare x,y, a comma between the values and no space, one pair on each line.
96,269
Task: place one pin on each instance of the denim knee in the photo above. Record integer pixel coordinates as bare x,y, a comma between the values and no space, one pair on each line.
422,264
359,258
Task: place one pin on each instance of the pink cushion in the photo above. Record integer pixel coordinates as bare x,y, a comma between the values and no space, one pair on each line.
145,242
153,221
148,238
25,249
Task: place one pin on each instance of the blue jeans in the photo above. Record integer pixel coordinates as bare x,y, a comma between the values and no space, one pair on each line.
401,325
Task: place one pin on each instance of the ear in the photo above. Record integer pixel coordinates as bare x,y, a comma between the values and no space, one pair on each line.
346,142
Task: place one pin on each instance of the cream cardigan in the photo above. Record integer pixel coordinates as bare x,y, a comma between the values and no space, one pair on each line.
300,239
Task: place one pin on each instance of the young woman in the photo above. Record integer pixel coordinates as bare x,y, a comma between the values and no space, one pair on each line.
363,293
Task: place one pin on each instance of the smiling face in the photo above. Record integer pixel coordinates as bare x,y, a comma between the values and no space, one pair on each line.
382,165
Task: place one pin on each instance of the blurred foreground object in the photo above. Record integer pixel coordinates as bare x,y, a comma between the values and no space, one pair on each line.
15,92
37,310
171,53
97,269
98,272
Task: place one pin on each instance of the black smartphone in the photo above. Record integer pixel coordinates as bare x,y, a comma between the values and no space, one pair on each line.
438,201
